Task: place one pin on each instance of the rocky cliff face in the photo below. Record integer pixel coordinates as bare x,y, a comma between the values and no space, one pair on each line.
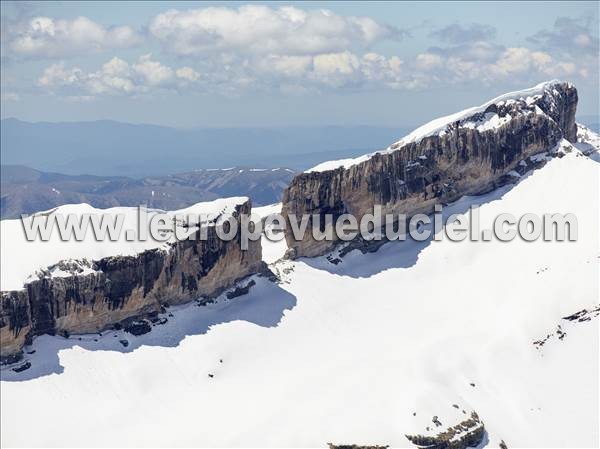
463,154
94,297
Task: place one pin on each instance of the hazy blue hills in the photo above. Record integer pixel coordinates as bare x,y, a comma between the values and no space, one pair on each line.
25,190
112,148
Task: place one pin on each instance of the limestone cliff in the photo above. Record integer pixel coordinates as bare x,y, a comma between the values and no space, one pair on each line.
115,288
466,153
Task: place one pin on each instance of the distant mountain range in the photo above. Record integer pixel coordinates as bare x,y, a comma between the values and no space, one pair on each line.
25,190
128,165
110,148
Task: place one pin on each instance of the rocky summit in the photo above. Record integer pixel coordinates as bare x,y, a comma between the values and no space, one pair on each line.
466,153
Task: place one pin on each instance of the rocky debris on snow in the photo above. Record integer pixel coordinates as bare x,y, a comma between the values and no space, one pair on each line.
138,327
241,290
467,433
21,368
333,260
582,316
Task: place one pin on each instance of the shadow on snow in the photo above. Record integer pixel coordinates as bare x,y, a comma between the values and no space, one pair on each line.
264,305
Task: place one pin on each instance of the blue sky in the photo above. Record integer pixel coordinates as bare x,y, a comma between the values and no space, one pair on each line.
277,64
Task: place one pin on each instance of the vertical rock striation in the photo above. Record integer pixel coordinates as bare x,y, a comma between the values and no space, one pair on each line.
121,287
462,154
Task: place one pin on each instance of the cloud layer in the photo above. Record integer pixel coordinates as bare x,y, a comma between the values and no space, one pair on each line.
287,49
47,37
459,34
115,77
264,30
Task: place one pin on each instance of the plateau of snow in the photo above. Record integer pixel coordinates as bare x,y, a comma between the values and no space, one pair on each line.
362,352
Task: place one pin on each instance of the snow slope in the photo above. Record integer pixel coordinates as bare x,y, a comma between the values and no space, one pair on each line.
348,353
21,259
438,126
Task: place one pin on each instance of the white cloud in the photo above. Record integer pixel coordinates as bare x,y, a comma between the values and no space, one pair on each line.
428,61
263,48
288,66
56,75
288,49
115,77
380,70
264,30
521,60
48,37
488,63
576,37
336,63
328,70
153,72
295,74
187,73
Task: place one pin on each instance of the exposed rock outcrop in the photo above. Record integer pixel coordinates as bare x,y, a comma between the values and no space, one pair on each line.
467,433
115,288
464,154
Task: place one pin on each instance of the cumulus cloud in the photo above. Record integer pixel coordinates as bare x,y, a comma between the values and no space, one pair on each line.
428,61
570,36
48,37
575,39
265,30
459,34
301,74
115,77
264,48
187,73
568,50
489,64
152,72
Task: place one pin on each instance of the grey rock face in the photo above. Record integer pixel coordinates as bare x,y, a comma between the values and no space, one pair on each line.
124,286
462,159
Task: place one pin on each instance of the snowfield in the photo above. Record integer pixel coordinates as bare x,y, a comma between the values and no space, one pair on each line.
362,352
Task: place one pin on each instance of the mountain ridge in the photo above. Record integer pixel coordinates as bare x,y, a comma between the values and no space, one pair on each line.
25,190
464,153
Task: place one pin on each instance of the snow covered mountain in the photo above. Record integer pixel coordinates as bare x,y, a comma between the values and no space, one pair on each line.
410,340
84,285
466,153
